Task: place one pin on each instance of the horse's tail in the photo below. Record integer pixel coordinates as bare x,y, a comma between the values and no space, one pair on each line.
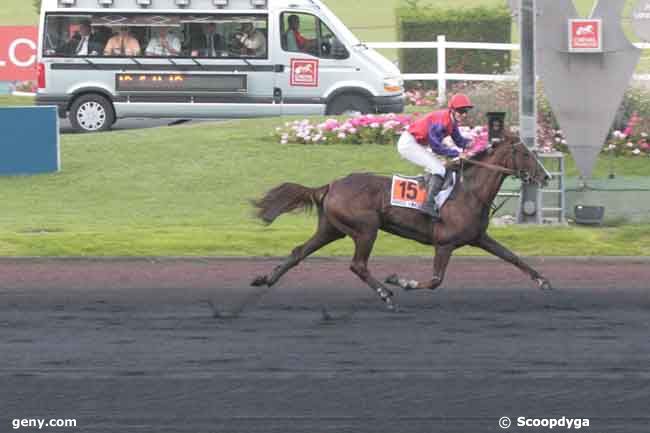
288,197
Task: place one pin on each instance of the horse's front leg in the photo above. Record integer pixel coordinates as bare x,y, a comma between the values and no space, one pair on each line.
492,246
440,262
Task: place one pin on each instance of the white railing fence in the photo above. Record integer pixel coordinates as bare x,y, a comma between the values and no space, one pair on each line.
441,76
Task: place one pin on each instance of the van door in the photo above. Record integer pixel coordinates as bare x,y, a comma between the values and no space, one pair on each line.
314,60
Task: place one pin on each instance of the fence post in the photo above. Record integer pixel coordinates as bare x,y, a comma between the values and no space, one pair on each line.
442,69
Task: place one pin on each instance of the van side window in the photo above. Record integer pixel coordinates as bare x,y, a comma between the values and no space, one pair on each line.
306,33
156,35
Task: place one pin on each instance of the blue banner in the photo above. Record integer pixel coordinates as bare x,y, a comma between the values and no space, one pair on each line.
30,140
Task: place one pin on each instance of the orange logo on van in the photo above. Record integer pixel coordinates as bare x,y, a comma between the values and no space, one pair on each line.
304,72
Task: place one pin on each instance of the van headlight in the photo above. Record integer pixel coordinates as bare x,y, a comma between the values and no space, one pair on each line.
394,84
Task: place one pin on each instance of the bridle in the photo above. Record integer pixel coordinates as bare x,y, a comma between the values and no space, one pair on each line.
517,172
520,173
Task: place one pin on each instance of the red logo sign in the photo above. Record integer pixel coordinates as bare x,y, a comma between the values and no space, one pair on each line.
18,53
585,35
304,72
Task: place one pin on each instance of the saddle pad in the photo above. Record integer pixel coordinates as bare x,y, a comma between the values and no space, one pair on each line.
405,191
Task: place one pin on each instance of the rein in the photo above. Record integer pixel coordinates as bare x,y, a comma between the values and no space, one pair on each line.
498,168
489,166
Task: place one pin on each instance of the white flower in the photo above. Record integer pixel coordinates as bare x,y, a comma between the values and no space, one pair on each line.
629,144
341,135
283,141
644,134
374,125
636,151
611,146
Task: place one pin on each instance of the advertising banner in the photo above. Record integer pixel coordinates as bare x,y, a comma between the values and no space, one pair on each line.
18,53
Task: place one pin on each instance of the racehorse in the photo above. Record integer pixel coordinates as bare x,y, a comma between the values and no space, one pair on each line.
358,206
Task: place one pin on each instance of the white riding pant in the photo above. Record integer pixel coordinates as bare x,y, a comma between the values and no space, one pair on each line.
420,155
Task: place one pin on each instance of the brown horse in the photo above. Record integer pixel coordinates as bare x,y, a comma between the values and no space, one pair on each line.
359,206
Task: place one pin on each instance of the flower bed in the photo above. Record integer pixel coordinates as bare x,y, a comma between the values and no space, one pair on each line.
355,130
365,129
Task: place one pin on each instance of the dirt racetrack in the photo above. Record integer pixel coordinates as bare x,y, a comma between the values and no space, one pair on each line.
133,345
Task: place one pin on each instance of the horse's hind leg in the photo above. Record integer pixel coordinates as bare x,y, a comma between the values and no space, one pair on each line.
363,244
492,246
325,234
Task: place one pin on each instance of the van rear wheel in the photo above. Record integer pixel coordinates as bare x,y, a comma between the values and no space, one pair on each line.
349,104
91,113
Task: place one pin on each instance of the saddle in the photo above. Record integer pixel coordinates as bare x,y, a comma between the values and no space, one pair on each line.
411,191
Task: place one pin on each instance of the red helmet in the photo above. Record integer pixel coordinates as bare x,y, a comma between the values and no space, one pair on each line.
460,100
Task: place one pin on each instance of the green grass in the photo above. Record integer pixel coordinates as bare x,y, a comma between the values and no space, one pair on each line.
185,191
12,101
18,13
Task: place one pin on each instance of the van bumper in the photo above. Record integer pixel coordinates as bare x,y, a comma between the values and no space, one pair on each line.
61,102
389,104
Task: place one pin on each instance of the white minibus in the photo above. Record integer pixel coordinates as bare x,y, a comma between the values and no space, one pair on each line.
103,60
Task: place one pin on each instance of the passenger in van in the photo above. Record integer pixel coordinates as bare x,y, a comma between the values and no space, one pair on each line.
83,43
251,40
122,44
296,41
208,44
163,44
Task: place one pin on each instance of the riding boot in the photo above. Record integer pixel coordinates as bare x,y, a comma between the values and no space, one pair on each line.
435,184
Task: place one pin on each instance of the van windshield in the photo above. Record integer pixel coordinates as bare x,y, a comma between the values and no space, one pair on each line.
159,35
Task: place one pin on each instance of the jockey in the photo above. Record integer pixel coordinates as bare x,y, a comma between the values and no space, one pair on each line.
431,131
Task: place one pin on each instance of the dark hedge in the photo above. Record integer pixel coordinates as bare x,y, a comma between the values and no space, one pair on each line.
481,24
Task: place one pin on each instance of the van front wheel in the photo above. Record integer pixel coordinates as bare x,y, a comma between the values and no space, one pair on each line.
91,113
349,104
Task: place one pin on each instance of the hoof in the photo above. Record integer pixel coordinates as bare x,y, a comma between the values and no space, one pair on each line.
544,284
259,281
391,306
392,279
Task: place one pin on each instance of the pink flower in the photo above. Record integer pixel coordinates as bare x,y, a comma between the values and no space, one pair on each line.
634,120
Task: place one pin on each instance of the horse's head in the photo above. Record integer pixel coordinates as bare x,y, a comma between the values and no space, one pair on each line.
525,165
